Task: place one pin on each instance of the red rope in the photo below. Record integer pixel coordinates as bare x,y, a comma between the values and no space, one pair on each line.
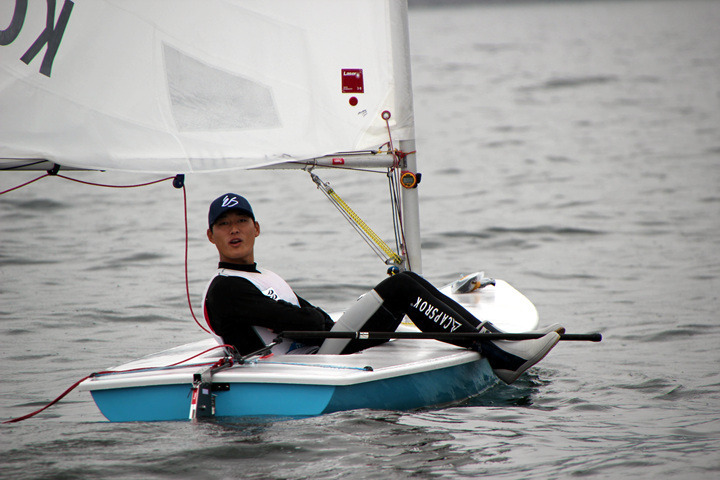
106,372
187,277
24,184
25,417
187,284
202,353
187,240
86,183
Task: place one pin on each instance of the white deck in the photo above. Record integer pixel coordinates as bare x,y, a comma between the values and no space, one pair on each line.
396,358
500,304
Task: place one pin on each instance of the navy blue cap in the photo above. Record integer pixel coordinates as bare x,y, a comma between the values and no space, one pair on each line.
229,201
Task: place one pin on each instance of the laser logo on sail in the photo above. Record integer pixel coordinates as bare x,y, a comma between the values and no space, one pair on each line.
352,80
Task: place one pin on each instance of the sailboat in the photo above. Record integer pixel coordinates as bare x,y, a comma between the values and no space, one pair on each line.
230,85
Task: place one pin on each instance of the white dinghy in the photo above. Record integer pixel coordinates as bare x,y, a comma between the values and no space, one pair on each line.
227,85
402,374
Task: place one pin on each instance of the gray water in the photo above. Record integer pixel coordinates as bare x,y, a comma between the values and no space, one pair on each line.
572,149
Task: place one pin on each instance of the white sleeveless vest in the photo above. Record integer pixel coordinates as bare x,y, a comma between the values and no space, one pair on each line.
273,286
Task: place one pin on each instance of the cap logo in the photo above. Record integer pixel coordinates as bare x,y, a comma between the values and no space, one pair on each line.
229,202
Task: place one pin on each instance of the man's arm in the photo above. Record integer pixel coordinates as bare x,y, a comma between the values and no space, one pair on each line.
234,303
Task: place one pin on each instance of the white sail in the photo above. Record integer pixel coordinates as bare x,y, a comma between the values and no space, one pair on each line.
200,85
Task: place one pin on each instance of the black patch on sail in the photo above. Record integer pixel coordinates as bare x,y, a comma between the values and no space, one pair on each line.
206,98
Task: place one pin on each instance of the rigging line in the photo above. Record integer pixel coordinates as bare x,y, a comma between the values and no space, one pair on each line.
187,281
337,167
386,116
396,198
394,212
24,165
187,276
349,214
229,347
176,364
32,414
173,367
398,182
375,248
187,289
114,186
108,372
317,365
88,183
24,184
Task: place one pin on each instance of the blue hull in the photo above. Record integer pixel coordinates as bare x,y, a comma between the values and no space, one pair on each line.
172,402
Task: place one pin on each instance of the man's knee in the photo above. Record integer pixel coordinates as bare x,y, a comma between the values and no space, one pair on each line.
394,286
398,291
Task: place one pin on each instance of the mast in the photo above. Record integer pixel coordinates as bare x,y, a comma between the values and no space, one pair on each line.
411,212
403,77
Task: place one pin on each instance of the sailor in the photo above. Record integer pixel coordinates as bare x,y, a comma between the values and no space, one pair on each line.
246,305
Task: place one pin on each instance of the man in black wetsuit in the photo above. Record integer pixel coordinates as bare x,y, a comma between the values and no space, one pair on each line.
245,305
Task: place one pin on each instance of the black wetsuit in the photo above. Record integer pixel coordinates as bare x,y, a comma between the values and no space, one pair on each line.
408,293
234,305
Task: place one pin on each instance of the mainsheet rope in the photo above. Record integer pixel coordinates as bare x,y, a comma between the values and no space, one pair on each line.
187,276
24,184
109,372
185,209
85,183
187,280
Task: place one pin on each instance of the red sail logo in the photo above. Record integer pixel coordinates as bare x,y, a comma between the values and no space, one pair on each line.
352,80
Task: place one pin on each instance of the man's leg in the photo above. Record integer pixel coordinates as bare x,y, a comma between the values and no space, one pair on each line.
368,315
431,311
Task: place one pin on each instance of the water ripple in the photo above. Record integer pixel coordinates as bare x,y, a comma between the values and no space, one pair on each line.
572,82
37,205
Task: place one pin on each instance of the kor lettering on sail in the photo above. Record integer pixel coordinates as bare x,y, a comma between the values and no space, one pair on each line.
50,36
436,315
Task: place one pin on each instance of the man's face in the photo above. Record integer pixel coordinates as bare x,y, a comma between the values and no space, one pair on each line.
233,234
